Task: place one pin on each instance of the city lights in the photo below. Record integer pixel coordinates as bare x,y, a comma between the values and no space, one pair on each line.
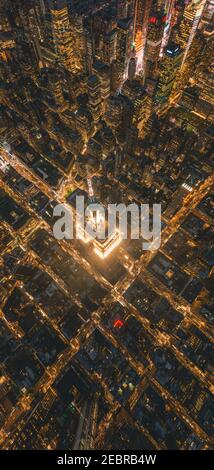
106,232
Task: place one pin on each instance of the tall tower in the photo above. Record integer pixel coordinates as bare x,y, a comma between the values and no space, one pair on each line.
193,62
31,18
139,103
58,33
168,7
124,37
188,27
103,73
132,68
115,77
95,98
156,26
80,43
108,53
204,78
170,64
142,9
55,87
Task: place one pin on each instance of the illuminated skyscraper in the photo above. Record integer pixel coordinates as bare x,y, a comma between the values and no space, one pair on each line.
81,45
189,98
188,27
142,9
103,73
140,103
108,142
108,53
132,68
59,31
191,65
65,37
102,26
124,36
168,7
115,76
114,113
95,97
25,35
205,78
170,64
84,123
56,87
88,51
156,25
31,19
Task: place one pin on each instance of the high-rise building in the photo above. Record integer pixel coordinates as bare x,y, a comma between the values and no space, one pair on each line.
31,20
118,160
193,60
140,103
188,26
138,28
114,113
108,142
156,26
108,53
103,73
189,98
95,97
84,123
124,37
132,68
81,44
59,33
170,64
65,36
141,15
204,78
55,86
169,7
102,23
115,76
138,24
